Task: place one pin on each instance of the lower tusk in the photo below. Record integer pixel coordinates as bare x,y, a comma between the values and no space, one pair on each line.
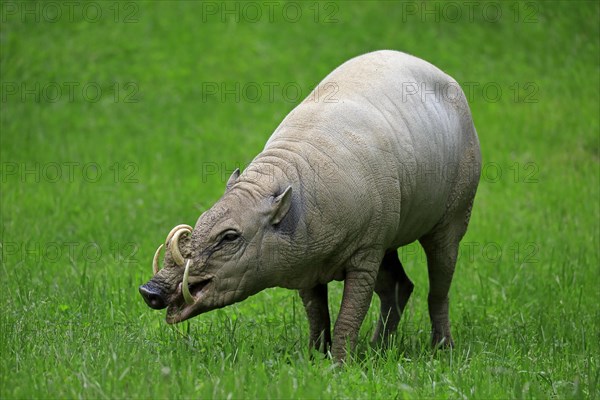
155,266
187,296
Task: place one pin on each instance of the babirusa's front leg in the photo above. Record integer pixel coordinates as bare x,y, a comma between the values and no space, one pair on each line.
317,311
358,291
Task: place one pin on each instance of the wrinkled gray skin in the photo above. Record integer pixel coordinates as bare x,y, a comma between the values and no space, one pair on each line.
381,154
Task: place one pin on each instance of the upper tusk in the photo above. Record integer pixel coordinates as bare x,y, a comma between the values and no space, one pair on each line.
173,245
185,290
174,230
155,266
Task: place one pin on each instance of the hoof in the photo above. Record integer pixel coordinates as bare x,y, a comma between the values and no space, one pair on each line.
442,342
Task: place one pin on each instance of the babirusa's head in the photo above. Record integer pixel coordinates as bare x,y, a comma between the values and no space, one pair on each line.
233,252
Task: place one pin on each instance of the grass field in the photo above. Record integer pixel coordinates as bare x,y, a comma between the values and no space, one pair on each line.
120,120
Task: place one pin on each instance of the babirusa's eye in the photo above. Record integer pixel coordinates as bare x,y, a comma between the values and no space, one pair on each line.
229,236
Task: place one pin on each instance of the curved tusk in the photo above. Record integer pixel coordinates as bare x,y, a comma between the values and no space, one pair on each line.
173,246
185,290
155,266
178,227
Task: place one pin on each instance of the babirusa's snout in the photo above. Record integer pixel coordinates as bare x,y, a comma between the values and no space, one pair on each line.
153,297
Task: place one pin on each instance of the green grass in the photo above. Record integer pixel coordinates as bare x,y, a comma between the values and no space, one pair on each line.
524,301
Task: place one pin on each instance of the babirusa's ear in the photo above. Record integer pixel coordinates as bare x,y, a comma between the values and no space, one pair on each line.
232,179
281,205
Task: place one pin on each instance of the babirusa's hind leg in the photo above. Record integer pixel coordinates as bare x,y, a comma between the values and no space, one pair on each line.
441,248
394,289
